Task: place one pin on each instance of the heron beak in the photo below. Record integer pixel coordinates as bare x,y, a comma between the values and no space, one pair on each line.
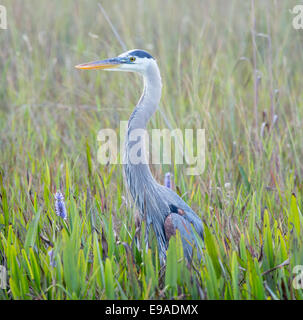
101,64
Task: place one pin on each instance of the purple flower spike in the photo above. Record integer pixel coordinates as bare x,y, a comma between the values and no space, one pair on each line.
52,258
60,205
167,180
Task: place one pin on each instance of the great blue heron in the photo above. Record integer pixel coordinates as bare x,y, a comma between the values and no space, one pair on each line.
160,206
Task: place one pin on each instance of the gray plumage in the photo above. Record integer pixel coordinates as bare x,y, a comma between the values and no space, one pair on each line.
153,200
159,206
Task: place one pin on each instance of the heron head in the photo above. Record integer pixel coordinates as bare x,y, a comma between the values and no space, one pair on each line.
132,61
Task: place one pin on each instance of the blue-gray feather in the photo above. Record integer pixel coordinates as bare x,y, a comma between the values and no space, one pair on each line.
156,202
140,54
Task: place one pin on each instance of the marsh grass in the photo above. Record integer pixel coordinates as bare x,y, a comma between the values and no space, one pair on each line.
241,81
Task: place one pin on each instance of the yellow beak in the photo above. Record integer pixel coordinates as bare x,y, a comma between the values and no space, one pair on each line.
101,64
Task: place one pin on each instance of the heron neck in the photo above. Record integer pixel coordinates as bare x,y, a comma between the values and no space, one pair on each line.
149,100
138,175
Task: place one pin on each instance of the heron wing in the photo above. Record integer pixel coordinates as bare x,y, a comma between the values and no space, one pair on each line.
182,209
178,206
175,221
183,218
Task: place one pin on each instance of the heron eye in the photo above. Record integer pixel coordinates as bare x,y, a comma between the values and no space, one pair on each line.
132,59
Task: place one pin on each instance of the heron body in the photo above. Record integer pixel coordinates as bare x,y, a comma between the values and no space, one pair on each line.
158,205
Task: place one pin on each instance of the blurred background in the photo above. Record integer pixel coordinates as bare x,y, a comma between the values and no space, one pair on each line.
229,67
214,77
206,57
